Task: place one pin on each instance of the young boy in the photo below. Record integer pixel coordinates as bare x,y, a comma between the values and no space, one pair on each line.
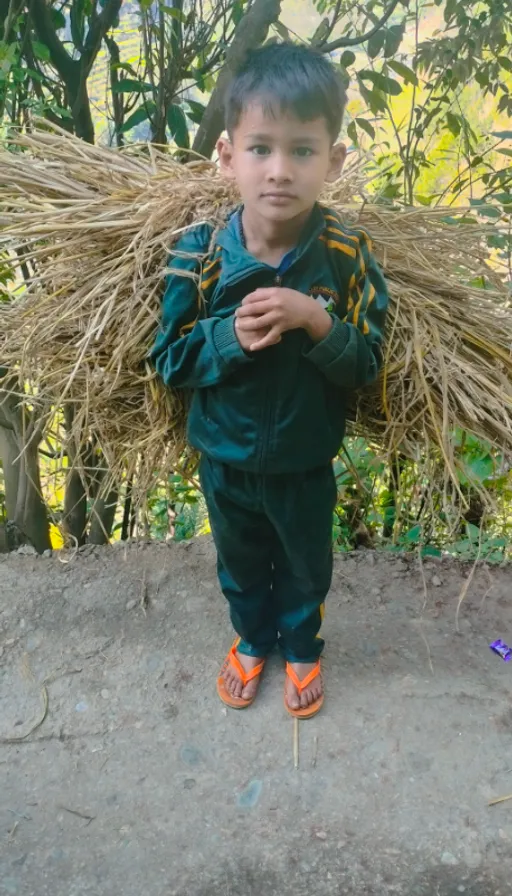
291,322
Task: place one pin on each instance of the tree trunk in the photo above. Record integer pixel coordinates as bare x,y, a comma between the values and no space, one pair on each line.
102,517
74,520
19,449
9,452
31,519
251,32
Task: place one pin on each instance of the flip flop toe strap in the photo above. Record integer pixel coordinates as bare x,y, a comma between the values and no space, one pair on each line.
245,677
301,685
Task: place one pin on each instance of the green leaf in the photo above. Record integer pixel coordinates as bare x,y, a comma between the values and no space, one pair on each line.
352,133
58,19
174,13
505,152
373,98
178,126
453,122
195,111
366,126
480,468
430,551
502,135
347,58
41,51
394,36
424,200
505,63
473,532
237,11
489,211
141,114
376,43
382,82
127,85
413,534
404,71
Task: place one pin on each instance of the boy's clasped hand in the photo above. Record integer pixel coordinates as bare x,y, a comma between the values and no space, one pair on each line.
267,313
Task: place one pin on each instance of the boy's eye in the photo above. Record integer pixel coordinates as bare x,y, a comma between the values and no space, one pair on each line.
303,151
260,150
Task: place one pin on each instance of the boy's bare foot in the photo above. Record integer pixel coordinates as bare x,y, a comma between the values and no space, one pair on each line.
311,693
232,680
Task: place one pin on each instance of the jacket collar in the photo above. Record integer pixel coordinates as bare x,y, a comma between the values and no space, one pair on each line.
238,263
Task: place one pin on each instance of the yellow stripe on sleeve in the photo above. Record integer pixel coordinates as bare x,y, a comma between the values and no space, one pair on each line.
188,327
209,266
206,283
334,244
357,309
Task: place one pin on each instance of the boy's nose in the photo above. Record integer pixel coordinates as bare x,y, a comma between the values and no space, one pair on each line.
280,170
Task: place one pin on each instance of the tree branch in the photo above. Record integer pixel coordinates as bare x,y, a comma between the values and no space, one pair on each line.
360,39
65,65
251,32
99,27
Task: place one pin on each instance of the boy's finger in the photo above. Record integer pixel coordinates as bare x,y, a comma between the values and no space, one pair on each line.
258,295
253,309
272,338
255,323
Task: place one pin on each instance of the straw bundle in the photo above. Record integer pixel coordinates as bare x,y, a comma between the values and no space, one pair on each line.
93,227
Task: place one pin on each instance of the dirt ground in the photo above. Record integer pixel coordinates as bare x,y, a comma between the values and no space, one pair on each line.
139,781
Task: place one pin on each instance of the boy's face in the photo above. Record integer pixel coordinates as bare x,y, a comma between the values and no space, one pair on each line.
280,164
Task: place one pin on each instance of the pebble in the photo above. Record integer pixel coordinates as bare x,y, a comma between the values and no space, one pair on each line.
376,591
26,549
81,707
47,553
131,604
190,754
321,835
249,797
448,858
105,693
436,581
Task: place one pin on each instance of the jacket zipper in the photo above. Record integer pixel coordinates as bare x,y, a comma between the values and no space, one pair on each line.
270,390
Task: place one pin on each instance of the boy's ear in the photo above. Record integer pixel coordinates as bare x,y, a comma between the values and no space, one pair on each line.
225,152
336,162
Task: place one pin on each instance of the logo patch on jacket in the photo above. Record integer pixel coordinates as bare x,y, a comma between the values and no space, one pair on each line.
327,298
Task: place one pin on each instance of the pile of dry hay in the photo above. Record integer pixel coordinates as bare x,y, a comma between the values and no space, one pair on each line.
92,228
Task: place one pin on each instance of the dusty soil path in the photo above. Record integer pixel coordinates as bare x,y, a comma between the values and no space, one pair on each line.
140,782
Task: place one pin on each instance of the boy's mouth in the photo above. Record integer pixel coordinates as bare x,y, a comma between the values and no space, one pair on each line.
278,197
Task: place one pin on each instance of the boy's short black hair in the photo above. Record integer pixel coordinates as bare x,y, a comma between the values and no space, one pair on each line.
287,77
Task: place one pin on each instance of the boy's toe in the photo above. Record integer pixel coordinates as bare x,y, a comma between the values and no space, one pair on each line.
293,700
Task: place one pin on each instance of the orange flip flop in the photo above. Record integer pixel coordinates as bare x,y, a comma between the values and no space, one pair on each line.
313,708
245,677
